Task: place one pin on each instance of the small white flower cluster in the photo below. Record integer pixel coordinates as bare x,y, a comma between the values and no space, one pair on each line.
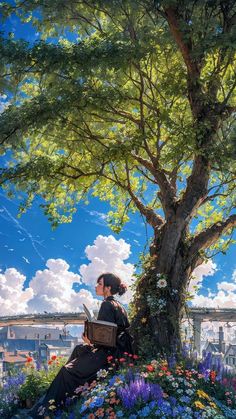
162,303
154,363
102,374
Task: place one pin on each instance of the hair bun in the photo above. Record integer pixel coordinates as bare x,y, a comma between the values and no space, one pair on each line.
122,289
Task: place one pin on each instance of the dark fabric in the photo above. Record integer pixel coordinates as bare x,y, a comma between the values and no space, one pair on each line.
85,360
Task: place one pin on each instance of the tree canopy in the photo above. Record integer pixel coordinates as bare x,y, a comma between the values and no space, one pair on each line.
130,101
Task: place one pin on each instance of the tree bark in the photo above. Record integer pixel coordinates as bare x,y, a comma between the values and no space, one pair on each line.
159,301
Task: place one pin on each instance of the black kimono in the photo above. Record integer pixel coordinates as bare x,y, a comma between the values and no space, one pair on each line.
85,360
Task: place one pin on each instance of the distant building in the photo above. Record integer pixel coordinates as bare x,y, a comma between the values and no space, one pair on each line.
1,362
29,338
230,356
46,351
217,349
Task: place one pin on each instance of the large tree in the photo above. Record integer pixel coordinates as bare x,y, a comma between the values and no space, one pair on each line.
133,102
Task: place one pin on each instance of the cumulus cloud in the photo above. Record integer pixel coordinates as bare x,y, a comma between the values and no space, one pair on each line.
51,289
13,299
108,255
225,297
205,269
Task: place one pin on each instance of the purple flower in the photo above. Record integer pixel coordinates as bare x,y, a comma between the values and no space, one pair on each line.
171,361
139,390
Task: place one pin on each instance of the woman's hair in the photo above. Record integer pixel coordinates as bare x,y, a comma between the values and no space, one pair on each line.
113,281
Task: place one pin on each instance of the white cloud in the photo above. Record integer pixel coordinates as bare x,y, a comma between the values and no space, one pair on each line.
224,298
107,255
13,300
3,103
226,286
205,269
51,288
234,276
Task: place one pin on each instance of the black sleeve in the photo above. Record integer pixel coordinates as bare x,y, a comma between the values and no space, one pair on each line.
107,312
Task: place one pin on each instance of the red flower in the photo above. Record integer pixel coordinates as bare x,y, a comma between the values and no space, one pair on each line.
122,359
126,353
109,358
131,365
130,355
135,356
53,357
212,376
29,359
164,368
49,362
150,368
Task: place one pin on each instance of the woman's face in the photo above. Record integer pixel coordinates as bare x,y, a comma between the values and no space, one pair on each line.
100,287
101,290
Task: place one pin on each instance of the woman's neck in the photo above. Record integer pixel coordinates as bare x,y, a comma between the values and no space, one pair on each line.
108,296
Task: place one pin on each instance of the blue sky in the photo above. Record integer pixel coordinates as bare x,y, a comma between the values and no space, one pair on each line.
27,243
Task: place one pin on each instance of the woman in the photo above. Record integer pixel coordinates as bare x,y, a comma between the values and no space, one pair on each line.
87,359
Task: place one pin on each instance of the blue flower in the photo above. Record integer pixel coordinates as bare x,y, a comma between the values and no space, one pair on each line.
119,414
152,404
144,412
83,408
133,417
184,399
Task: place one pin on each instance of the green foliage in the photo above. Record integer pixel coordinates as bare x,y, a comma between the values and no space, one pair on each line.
105,92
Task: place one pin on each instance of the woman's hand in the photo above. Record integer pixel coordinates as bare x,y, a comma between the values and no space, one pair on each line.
85,339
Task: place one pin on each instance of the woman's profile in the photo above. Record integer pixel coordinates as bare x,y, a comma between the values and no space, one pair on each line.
87,359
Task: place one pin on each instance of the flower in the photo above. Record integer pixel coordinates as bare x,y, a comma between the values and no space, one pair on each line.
212,376
29,359
199,404
162,283
53,357
202,394
109,358
150,368
100,412
102,373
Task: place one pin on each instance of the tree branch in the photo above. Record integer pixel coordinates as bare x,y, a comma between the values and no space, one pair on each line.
208,237
152,218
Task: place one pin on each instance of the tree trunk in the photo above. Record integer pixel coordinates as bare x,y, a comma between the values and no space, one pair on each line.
158,304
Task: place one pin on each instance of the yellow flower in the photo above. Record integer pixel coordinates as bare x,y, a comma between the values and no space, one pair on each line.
199,404
52,407
202,394
213,405
143,320
112,393
51,401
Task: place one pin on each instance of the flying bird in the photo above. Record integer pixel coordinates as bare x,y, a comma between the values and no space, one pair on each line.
25,259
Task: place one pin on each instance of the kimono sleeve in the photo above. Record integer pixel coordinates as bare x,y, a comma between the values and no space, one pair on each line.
107,312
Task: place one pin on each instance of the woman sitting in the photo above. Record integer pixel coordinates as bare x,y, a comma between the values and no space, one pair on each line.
87,359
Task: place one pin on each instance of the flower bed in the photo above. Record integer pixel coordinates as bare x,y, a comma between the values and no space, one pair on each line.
23,389
132,388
